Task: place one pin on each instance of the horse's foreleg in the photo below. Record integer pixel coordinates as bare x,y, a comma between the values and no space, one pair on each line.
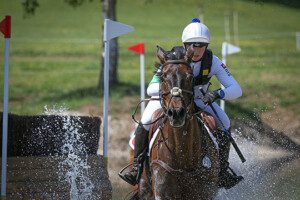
165,186
145,189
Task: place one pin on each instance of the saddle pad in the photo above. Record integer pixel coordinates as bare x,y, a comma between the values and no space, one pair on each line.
209,121
153,127
132,139
152,140
212,137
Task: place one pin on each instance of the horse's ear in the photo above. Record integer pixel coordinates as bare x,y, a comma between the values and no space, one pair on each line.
161,54
189,54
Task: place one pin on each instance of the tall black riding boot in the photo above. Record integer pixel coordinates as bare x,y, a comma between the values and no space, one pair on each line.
227,177
141,142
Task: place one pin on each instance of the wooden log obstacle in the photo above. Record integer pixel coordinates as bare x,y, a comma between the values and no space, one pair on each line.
55,157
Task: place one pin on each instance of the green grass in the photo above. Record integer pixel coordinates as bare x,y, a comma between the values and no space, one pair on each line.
55,55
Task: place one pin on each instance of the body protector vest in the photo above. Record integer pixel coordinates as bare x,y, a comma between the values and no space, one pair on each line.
206,63
176,53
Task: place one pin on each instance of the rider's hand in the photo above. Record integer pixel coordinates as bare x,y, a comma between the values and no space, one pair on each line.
210,97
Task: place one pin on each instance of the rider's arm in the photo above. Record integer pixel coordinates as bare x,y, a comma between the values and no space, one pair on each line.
153,87
232,88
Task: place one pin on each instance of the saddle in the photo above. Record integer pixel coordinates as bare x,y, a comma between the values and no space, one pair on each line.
156,115
205,117
209,121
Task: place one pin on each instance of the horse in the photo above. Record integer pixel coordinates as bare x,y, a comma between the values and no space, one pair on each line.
183,162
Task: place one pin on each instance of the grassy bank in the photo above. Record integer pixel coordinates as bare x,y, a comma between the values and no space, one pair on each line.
55,55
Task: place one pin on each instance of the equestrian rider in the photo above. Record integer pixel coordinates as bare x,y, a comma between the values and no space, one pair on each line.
205,65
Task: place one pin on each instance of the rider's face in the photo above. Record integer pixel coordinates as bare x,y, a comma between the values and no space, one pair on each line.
199,49
198,53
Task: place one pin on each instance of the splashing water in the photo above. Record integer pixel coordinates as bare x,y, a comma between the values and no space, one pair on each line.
269,173
74,169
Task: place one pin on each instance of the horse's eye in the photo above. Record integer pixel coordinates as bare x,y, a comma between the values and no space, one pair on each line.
163,77
167,85
189,77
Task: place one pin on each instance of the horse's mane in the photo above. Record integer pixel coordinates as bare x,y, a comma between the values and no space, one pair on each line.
176,53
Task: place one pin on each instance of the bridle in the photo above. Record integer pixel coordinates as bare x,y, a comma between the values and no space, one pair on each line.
176,91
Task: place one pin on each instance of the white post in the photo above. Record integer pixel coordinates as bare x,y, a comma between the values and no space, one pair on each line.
106,93
227,26
112,29
298,40
236,28
142,81
227,38
5,28
224,54
201,13
5,118
227,49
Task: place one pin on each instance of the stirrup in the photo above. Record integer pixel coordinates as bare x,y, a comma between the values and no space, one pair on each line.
122,175
139,171
231,179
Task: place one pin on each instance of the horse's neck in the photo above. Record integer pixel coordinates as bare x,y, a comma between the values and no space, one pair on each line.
185,143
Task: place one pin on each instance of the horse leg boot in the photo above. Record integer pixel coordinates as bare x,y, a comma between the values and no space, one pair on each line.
227,177
141,143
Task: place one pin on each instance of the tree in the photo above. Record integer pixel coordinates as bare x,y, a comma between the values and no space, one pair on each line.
109,12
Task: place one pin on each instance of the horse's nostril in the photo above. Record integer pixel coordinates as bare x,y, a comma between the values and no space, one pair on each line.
170,112
181,112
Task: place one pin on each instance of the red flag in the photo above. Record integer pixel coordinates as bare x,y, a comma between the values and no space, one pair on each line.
138,48
5,26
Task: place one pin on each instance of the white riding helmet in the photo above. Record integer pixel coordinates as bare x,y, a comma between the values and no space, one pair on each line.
196,32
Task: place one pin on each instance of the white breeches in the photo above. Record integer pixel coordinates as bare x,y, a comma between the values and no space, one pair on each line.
152,106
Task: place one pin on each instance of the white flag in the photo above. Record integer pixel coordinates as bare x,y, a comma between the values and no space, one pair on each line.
228,49
114,29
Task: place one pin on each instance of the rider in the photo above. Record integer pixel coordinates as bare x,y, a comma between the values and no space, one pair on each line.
204,64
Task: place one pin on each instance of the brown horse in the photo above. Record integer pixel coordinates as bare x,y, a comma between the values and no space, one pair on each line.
183,162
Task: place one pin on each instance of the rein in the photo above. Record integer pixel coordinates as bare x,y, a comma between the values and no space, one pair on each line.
177,172
136,108
175,92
